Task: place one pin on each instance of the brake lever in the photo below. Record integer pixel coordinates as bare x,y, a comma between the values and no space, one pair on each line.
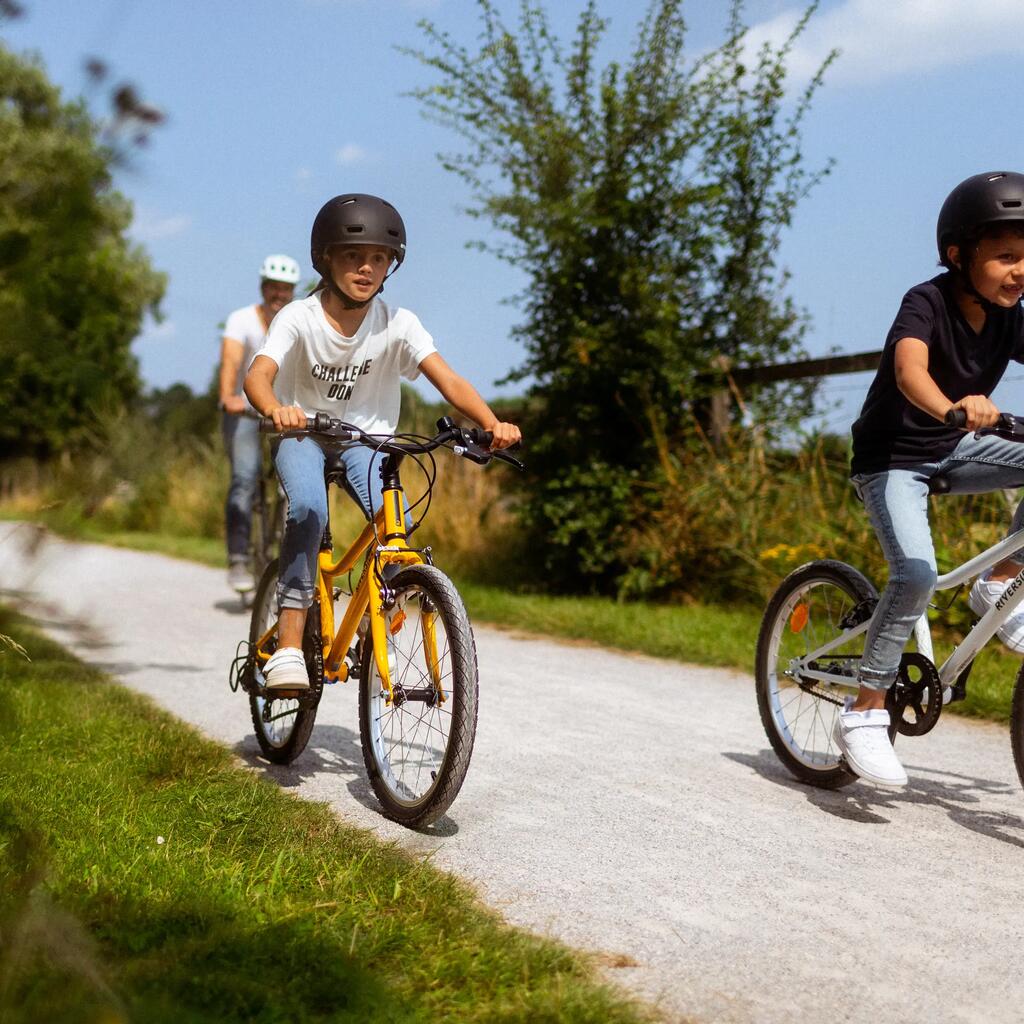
500,453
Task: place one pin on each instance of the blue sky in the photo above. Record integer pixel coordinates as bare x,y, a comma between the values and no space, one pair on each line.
276,105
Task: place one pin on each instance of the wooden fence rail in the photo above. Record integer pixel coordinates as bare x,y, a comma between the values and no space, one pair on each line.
740,376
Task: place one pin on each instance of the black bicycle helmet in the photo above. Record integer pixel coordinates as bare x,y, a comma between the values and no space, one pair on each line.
355,219
979,200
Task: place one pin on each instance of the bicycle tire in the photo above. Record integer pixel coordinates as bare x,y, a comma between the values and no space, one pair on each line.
805,759
1017,725
417,752
282,743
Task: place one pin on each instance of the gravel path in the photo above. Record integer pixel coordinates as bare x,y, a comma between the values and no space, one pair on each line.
632,806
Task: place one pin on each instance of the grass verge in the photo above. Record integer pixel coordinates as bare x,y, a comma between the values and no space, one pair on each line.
145,876
698,633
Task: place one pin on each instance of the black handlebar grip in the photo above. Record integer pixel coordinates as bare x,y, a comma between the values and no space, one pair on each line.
480,437
956,418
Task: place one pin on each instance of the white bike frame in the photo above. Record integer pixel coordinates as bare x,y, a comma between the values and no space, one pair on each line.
982,631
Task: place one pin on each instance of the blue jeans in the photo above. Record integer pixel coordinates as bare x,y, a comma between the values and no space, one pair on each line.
897,505
242,441
300,465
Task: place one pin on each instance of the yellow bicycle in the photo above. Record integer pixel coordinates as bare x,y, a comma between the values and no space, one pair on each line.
404,634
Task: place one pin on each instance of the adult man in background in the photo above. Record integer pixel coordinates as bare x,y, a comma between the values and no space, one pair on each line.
243,336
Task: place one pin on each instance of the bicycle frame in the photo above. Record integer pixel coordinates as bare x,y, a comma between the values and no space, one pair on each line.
962,656
369,595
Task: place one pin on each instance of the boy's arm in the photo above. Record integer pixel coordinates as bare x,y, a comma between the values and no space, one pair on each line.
259,387
460,393
917,385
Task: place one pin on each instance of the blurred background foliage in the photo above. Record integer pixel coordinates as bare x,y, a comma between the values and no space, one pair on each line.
73,289
643,202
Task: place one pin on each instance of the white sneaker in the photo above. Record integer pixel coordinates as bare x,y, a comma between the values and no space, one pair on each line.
984,594
239,577
863,738
286,670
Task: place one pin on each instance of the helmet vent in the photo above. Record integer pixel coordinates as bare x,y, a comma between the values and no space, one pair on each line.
1010,204
996,177
354,229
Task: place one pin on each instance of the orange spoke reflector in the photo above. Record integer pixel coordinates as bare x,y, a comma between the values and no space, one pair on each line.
799,618
397,622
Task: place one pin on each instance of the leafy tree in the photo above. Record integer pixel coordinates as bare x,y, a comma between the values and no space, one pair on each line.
73,291
644,202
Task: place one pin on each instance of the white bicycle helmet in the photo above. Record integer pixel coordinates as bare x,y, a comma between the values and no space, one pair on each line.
280,268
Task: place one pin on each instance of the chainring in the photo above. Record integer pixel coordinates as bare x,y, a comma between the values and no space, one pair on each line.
915,699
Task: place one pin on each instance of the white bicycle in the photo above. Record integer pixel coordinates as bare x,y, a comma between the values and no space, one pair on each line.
812,639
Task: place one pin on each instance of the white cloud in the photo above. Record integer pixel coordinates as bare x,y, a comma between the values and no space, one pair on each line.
350,153
881,39
150,227
303,174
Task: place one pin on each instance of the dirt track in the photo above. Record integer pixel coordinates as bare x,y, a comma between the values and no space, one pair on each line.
630,805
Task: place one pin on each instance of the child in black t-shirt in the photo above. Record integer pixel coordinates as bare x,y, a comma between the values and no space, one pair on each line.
947,349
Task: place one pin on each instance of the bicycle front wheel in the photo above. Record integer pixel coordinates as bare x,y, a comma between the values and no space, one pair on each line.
1017,725
811,609
417,748
282,725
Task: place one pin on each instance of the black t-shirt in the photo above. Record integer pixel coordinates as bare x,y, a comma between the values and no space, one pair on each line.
892,432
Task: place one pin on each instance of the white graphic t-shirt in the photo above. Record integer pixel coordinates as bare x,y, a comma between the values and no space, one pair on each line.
246,326
355,379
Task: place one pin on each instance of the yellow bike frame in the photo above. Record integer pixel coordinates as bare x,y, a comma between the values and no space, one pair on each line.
389,523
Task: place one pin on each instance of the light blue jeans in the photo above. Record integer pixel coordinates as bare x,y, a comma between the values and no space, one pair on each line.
242,441
897,505
299,462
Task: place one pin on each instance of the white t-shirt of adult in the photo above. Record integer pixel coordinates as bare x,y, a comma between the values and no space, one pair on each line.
357,379
245,326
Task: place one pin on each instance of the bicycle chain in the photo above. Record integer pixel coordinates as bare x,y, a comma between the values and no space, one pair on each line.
827,697
923,695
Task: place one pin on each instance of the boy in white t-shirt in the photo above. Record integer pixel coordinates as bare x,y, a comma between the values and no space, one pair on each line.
244,334
343,352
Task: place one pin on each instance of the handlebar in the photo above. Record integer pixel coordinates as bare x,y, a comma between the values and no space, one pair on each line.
1007,426
473,444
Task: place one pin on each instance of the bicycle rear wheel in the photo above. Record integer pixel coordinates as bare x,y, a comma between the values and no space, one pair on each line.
798,712
283,725
417,748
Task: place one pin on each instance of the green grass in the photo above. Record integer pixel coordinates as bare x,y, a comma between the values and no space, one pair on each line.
706,634
698,633
144,876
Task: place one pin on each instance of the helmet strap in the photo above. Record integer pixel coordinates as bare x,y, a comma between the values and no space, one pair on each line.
968,284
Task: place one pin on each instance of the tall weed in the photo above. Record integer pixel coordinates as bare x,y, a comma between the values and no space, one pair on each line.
728,525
